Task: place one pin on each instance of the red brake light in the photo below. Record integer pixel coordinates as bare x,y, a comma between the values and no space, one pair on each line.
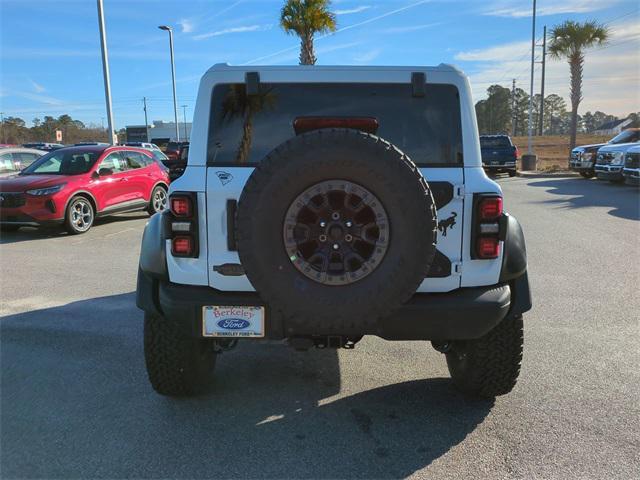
182,245
488,247
181,206
490,208
516,153
307,124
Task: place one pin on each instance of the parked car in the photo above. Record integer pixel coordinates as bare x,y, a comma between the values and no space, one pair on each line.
14,159
499,154
610,162
74,185
43,146
148,146
176,166
174,149
161,143
331,219
583,158
631,169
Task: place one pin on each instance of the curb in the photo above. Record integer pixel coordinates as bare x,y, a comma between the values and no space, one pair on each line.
547,175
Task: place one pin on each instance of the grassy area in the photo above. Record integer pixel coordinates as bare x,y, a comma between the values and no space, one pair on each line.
553,150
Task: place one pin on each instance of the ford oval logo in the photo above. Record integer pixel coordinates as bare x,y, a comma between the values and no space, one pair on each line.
233,323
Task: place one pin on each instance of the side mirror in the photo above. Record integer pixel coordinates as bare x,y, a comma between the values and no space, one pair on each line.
104,172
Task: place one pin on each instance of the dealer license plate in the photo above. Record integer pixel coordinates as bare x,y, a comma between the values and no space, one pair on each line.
230,321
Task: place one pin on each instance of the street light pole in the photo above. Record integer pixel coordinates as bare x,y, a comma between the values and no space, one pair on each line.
173,78
105,70
533,52
146,122
184,121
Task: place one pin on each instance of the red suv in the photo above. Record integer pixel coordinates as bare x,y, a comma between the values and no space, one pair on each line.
73,186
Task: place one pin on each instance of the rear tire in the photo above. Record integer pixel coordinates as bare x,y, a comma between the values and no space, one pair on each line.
177,365
158,200
488,366
587,174
512,173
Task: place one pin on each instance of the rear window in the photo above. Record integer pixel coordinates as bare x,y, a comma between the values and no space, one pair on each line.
494,142
243,130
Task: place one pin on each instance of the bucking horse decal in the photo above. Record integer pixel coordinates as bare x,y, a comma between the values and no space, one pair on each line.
444,225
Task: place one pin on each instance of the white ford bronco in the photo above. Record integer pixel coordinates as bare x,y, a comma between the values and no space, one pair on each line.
322,204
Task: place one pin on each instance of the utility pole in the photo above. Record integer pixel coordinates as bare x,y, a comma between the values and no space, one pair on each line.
146,122
105,70
514,118
533,58
184,121
544,64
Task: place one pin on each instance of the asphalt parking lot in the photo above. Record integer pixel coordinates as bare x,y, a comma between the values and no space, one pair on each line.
75,401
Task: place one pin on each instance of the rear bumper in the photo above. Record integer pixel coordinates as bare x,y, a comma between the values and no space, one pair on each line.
500,167
465,313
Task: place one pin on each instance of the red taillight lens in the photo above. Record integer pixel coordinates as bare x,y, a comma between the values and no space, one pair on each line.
182,245
181,206
307,124
490,208
516,153
488,247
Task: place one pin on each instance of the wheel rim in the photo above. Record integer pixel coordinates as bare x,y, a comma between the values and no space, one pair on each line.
81,215
336,232
159,200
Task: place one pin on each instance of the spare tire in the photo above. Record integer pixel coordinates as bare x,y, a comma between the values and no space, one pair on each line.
335,229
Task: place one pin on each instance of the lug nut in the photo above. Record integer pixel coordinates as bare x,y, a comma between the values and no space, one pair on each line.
323,224
348,237
322,238
335,215
336,246
349,224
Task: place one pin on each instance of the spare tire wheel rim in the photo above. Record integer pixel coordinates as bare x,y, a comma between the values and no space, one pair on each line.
336,232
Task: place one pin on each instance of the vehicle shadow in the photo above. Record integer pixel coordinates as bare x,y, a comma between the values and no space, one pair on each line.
622,199
27,234
76,402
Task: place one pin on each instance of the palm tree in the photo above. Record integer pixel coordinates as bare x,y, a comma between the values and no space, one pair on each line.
237,104
569,40
305,18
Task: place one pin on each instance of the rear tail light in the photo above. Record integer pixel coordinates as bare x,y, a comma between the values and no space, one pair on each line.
516,152
488,247
184,225
490,208
181,206
486,231
182,246
307,124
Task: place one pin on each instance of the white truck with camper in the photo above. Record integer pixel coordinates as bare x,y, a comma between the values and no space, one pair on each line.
322,204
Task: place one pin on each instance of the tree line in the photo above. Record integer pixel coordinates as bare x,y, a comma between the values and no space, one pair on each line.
504,111
14,130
